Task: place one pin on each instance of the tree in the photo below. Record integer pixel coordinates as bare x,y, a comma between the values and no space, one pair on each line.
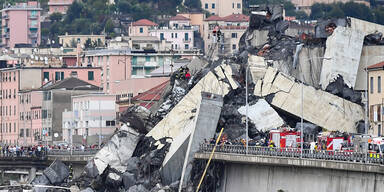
109,26
336,12
56,17
88,43
193,4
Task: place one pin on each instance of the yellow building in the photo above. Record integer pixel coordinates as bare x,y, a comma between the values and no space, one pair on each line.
222,8
72,40
376,98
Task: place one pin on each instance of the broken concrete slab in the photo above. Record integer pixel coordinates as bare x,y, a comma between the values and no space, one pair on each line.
365,26
219,81
129,180
343,51
137,188
57,172
262,115
117,151
257,67
321,108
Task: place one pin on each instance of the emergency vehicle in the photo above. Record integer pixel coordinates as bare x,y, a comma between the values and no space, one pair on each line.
284,138
334,142
376,145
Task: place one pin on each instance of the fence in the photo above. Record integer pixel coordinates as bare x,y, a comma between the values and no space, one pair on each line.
357,157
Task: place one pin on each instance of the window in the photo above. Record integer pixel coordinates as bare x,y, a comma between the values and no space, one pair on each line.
234,35
206,6
110,123
27,132
233,5
371,88
213,6
59,76
171,35
161,36
186,36
44,113
47,96
238,5
175,35
186,46
141,30
90,76
379,84
74,74
14,127
233,46
21,132
14,76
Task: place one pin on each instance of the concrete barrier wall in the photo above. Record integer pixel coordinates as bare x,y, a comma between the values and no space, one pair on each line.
247,177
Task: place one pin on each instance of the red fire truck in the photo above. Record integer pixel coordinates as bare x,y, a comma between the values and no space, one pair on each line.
284,138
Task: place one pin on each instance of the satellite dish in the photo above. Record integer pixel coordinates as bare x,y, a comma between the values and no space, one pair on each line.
61,58
41,58
32,57
46,58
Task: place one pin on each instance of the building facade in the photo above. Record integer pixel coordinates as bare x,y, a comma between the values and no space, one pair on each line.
222,7
59,6
72,40
376,98
232,27
21,24
141,27
19,104
93,116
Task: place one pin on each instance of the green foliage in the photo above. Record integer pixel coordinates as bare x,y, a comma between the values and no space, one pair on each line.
193,4
338,10
55,17
289,7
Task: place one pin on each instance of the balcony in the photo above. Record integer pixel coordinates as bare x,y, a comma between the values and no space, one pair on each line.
187,40
5,16
6,35
33,35
146,64
32,16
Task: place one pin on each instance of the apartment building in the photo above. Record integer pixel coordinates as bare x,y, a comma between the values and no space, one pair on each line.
93,116
140,27
376,98
21,24
16,96
72,40
232,27
222,8
59,6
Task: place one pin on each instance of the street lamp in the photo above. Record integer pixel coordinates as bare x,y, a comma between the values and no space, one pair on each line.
302,106
73,113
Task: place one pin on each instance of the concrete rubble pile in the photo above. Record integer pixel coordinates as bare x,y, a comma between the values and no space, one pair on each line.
56,174
321,74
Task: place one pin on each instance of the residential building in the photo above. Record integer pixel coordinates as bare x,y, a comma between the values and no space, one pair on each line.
306,5
376,98
16,97
196,20
73,40
222,8
57,98
93,115
59,6
21,24
181,38
139,43
232,27
141,27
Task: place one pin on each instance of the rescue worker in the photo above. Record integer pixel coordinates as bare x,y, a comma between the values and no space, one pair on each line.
70,177
187,74
272,144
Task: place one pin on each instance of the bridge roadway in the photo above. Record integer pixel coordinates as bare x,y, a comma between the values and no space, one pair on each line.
267,169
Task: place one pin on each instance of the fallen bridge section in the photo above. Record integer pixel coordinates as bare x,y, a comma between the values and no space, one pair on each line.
319,107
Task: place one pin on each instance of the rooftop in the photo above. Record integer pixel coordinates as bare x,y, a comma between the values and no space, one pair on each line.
148,98
69,84
179,18
229,18
377,65
143,22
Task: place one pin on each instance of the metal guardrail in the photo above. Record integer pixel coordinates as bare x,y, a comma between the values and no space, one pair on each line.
74,152
356,157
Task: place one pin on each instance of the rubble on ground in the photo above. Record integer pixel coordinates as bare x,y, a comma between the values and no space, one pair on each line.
153,149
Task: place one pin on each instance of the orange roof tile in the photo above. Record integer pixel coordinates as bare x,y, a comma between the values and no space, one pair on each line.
236,18
377,65
144,22
214,18
179,18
